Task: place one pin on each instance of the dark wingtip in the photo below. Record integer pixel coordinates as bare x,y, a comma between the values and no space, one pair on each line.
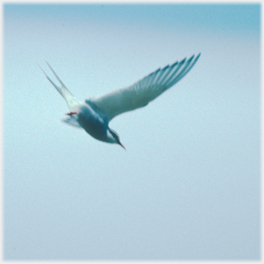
174,64
181,62
197,57
190,59
166,67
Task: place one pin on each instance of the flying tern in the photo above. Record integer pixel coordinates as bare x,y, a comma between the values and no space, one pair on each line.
94,115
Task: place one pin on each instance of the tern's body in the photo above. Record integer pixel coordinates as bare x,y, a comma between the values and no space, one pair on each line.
94,115
93,123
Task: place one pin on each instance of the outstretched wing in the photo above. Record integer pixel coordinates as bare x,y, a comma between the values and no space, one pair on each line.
143,91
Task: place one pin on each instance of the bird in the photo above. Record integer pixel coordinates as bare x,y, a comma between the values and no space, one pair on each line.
94,114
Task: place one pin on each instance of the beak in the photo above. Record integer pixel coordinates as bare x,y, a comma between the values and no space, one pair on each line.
122,145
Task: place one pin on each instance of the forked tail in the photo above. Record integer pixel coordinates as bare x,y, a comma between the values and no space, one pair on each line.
71,100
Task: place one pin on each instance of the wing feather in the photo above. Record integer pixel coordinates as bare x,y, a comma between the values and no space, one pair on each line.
145,90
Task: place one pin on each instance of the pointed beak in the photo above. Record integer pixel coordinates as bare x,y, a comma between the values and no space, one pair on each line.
122,145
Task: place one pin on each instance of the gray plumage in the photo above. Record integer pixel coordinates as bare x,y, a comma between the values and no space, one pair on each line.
94,115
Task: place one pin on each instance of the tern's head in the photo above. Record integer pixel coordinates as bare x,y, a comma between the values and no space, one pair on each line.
115,138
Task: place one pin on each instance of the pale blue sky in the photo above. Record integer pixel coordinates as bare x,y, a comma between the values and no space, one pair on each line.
188,186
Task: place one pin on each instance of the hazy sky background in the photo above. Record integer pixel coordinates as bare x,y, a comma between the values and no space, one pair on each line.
188,186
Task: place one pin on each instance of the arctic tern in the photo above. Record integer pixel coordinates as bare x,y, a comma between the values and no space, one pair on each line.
94,115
